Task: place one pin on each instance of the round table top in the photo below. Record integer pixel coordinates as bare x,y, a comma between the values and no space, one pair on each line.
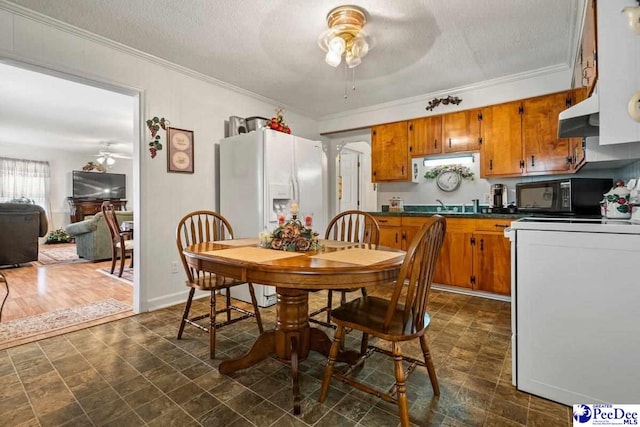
301,270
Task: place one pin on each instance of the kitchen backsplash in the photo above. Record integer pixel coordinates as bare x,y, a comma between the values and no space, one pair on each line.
425,192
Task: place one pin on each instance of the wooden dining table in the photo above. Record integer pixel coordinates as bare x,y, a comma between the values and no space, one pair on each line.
337,265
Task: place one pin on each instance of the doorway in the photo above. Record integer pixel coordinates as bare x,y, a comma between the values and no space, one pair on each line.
354,190
38,289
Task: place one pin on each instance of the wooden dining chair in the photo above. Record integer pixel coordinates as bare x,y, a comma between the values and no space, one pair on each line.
400,319
121,242
207,226
349,226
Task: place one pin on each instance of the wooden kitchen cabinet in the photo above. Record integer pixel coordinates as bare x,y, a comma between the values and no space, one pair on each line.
455,263
544,152
390,160
390,231
461,131
501,151
491,257
425,136
521,137
577,145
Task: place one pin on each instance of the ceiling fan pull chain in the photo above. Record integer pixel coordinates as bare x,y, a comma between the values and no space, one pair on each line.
353,70
346,78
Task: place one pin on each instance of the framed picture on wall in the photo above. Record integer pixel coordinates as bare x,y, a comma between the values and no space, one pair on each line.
180,150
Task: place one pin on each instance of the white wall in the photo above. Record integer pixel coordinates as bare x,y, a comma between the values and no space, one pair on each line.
61,164
188,100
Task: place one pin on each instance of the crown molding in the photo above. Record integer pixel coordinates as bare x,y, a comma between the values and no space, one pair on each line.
63,26
453,91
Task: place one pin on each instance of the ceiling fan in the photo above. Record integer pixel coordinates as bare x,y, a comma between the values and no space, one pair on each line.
107,157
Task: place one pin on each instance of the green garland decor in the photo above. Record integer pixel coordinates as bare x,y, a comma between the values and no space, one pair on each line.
464,171
291,236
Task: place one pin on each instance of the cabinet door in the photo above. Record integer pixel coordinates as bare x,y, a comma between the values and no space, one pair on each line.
391,236
501,150
461,131
455,262
576,145
425,136
588,55
390,231
390,152
544,152
492,263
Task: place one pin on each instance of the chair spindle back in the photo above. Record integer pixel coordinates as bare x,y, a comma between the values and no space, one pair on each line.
354,226
417,269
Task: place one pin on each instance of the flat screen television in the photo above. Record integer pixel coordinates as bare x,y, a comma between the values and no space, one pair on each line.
96,185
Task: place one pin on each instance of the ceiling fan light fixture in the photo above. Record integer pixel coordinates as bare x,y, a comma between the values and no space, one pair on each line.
345,36
100,160
110,161
352,60
333,59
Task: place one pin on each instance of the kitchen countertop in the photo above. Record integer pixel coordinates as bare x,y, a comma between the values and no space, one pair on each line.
452,215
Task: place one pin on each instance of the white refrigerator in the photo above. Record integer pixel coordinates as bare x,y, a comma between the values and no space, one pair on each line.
261,172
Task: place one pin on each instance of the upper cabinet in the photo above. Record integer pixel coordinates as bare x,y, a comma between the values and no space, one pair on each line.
521,137
585,69
461,131
501,152
425,136
390,159
544,152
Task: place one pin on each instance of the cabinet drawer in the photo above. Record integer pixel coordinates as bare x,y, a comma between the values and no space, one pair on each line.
495,225
389,221
415,221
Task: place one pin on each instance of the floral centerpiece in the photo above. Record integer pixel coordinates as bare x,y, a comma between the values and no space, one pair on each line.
463,171
291,235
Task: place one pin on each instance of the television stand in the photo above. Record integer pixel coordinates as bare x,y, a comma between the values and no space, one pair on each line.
86,207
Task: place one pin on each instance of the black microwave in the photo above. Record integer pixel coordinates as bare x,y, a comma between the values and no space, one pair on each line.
575,196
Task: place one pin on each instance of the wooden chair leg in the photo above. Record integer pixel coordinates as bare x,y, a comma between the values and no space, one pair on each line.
212,325
114,257
256,310
131,263
329,305
428,360
123,256
185,314
364,344
228,304
328,370
401,385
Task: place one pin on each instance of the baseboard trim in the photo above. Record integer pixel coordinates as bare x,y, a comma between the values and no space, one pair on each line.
465,291
172,299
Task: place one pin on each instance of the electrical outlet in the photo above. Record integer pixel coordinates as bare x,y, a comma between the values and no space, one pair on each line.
174,267
486,197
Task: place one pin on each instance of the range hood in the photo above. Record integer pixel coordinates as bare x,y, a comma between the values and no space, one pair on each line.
582,119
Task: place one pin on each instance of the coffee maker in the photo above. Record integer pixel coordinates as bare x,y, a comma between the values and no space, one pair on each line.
499,196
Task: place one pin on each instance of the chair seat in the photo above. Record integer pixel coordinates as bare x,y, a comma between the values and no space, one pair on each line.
128,245
212,282
367,314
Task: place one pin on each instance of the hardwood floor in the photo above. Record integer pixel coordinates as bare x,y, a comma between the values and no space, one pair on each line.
36,289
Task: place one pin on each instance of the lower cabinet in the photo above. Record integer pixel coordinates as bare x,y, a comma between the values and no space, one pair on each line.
475,254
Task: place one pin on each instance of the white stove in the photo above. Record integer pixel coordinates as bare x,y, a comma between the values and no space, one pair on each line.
581,225
575,305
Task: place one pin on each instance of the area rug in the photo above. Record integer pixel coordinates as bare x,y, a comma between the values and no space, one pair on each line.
127,274
59,319
63,253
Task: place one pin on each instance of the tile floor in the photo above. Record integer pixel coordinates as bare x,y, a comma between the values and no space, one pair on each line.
134,372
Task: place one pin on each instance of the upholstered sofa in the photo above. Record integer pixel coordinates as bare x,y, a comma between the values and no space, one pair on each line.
93,241
20,226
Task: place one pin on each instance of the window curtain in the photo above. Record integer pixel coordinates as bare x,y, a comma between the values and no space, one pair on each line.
29,179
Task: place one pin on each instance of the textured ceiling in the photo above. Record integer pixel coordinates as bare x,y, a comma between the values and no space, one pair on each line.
269,47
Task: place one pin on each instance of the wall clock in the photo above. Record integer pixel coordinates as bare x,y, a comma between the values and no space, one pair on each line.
448,180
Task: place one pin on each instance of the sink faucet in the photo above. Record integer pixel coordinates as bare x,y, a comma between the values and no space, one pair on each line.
444,208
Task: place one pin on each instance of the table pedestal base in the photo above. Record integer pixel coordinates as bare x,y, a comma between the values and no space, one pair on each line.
291,340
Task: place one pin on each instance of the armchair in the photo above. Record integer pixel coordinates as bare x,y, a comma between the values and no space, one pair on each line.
93,239
20,226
